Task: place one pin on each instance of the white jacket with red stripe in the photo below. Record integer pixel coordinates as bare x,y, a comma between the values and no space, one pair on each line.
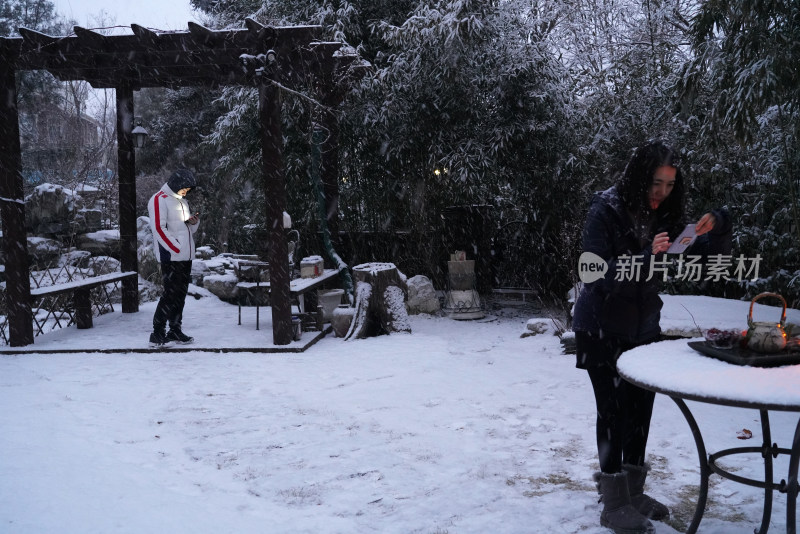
168,215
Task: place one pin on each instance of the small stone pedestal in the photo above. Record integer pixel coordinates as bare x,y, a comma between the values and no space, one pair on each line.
461,300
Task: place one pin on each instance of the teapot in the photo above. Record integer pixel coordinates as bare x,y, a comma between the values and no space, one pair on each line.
765,336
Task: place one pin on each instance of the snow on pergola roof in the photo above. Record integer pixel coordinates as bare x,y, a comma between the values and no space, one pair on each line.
197,57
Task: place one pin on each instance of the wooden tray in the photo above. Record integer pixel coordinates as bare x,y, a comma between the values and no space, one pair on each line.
739,356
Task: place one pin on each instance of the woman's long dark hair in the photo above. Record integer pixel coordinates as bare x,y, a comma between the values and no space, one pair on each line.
637,178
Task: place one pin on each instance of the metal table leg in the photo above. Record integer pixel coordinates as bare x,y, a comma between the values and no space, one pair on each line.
792,484
768,454
258,303
705,471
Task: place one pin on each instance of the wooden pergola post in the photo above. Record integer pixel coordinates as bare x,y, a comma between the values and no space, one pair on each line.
126,169
12,209
274,183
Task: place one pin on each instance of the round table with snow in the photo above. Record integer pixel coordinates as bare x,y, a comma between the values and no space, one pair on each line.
678,371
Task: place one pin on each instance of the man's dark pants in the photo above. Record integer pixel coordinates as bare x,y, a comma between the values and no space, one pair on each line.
176,276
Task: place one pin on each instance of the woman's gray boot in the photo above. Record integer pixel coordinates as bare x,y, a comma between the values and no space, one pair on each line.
646,505
618,514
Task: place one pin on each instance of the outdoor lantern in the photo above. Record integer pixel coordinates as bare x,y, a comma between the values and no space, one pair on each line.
139,134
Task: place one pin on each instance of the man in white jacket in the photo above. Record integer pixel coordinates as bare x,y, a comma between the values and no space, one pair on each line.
173,226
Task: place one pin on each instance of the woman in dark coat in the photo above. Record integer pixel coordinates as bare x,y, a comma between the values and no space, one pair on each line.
637,217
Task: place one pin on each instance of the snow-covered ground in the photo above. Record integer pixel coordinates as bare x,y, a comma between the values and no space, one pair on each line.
459,427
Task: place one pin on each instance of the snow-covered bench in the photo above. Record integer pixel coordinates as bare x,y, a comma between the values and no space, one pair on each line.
80,290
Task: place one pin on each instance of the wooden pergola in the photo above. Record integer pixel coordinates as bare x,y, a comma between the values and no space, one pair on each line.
269,58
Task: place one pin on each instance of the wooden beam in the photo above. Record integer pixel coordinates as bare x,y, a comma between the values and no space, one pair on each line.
154,68
274,184
88,37
12,212
325,48
253,26
130,57
148,37
10,49
260,32
35,39
205,36
299,33
144,60
139,78
126,167
87,43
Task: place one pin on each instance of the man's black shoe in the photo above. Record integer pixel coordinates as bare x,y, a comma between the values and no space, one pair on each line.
176,335
159,339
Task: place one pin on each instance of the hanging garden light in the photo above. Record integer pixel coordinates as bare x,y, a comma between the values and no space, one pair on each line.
139,134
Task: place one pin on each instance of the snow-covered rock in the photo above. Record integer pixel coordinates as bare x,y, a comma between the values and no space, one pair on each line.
43,252
199,271
221,264
49,209
102,265
87,220
148,263
222,285
102,243
74,258
422,296
148,291
539,325
54,209
205,252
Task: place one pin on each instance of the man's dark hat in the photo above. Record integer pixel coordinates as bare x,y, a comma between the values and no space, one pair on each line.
181,179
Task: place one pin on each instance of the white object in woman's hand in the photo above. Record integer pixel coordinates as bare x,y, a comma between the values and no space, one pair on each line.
661,243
